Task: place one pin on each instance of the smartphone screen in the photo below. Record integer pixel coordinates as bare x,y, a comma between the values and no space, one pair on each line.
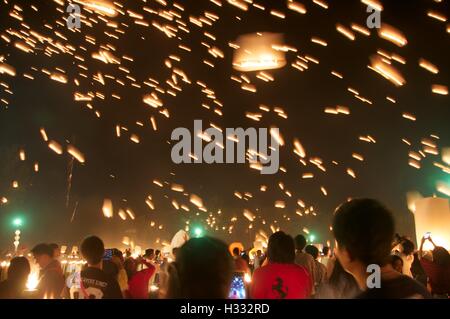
238,290
108,254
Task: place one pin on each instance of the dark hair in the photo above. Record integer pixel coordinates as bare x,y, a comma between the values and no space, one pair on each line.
117,253
342,282
441,256
281,248
19,269
236,251
130,267
42,249
204,269
325,250
395,258
408,246
149,252
300,242
312,250
365,228
92,249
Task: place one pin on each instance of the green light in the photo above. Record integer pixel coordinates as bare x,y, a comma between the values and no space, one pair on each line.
312,238
17,222
198,232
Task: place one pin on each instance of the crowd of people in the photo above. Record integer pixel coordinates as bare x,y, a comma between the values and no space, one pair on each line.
368,261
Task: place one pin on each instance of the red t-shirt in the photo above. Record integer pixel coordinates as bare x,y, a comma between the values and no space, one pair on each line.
280,281
439,276
138,284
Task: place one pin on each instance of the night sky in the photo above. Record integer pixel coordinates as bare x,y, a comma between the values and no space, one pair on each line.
123,171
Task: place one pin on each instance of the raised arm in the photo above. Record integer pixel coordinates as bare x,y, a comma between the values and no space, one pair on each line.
421,247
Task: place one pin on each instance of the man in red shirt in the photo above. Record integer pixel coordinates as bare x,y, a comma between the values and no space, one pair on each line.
437,269
138,283
281,278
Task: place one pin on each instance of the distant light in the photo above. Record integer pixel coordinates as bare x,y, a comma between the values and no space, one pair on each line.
198,232
17,222
312,238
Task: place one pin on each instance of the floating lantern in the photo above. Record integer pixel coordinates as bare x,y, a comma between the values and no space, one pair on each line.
260,51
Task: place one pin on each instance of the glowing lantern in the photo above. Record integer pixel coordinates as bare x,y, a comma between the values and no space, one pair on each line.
107,208
33,280
259,51
179,239
236,245
433,215
103,7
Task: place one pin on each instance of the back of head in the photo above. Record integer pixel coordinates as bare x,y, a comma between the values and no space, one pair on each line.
42,249
441,256
407,247
19,269
92,249
396,259
204,270
312,250
300,242
118,254
365,228
130,267
281,248
325,250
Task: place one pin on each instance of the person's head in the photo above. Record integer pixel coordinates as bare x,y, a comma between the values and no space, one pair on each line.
259,253
407,247
56,250
18,270
130,266
281,248
117,258
326,251
441,256
313,251
43,255
149,254
92,249
300,242
157,253
236,251
203,269
397,263
364,230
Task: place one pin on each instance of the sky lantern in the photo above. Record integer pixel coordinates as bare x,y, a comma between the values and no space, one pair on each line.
259,51
433,215
237,245
103,7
